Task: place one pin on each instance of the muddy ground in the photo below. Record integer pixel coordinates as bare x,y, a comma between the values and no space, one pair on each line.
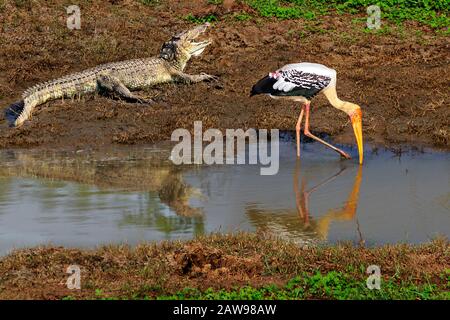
400,77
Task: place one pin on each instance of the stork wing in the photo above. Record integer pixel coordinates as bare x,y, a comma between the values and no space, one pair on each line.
297,82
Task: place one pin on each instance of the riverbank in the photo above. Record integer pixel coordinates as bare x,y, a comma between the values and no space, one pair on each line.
397,73
222,266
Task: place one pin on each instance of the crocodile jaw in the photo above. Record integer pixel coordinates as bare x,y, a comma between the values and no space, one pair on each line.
199,47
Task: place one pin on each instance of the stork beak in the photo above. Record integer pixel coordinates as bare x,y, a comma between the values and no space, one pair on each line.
356,119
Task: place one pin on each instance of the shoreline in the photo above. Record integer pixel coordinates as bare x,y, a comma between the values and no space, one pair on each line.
229,266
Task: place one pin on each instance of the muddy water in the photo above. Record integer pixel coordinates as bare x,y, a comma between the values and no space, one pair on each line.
129,195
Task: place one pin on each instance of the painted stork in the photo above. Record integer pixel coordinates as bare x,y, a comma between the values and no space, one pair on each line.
300,82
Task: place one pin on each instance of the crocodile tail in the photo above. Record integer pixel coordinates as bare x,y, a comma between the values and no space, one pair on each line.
13,112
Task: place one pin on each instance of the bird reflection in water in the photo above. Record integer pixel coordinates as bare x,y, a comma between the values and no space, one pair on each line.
345,213
299,225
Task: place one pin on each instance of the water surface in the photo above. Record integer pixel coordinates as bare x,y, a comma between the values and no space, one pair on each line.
134,194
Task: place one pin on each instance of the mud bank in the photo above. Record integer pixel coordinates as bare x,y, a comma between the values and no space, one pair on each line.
224,262
400,78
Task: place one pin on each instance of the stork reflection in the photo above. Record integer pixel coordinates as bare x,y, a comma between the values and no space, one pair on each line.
299,224
346,212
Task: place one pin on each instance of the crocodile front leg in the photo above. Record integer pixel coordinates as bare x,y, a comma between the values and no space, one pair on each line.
189,78
113,85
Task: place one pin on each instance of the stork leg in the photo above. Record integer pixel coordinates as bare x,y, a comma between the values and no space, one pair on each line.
297,129
309,134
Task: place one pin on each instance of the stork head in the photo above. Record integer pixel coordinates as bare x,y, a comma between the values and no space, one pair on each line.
181,47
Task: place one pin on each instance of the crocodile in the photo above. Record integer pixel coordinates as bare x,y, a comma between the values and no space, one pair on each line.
118,79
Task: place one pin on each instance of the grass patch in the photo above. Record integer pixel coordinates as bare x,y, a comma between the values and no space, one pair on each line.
432,13
332,285
201,19
242,16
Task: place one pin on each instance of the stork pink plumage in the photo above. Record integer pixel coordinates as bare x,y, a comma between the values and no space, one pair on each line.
301,82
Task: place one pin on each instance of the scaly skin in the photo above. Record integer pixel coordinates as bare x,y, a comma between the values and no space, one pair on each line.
134,74
121,77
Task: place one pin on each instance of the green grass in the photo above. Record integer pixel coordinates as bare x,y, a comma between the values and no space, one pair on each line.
242,16
333,285
432,13
201,19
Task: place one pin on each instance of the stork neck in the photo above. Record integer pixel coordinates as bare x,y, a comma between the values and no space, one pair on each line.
332,97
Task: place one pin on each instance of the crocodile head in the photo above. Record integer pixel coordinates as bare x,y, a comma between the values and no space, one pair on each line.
181,47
